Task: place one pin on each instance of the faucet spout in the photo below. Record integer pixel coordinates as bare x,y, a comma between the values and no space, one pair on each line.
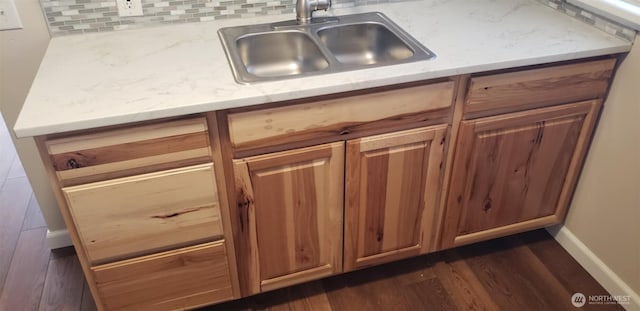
305,9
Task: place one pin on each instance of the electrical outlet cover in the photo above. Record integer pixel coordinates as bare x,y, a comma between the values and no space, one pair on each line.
9,18
129,7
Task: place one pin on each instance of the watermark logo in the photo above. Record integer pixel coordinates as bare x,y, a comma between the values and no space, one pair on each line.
578,300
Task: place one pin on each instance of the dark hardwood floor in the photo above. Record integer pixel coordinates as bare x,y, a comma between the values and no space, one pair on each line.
530,271
524,272
32,277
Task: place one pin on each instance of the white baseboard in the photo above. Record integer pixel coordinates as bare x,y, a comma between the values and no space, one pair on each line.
58,239
596,267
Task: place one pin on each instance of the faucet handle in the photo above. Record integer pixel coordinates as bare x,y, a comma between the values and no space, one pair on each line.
322,5
305,8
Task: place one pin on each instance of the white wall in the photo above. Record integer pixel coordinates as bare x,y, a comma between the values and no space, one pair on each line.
602,229
20,54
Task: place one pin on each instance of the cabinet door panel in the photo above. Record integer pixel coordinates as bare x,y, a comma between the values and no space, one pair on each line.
393,183
518,172
292,195
400,183
292,213
515,172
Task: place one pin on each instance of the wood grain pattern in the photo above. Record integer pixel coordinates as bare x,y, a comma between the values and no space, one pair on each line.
161,162
393,185
68,221
297,277
507,268
461,83
290,210
225,205
63,285
338,117
172,280
566,270
428,286
14,199
538,87
354,291
361,289
138,215
496,232
125,152
515,172
26,275
462,285
246,238
237,192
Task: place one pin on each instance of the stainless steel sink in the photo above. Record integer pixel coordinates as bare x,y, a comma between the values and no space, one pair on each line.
285,50
366,43
276,54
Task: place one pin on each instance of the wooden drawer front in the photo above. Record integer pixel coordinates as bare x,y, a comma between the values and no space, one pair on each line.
130,151
362,113
539,87
138,215
179,279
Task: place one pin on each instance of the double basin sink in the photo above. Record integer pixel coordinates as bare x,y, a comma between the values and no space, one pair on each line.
276,51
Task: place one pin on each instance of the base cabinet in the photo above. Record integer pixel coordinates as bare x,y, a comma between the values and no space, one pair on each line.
290,209
142,207
393,183
516,172
320,186
172,280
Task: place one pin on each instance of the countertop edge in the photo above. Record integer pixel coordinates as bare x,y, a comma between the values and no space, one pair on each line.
25,129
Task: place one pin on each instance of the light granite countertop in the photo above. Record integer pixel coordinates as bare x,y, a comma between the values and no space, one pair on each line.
88,81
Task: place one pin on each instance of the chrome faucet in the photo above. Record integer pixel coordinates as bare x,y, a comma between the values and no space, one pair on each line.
305,8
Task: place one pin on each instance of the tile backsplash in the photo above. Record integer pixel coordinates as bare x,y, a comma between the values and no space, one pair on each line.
85,16
597,21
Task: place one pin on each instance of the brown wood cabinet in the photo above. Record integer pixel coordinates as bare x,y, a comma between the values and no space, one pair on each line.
516,172
290,208
539,87
316,187
102,155
393,184
142,207
331,119
139,215
172,280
